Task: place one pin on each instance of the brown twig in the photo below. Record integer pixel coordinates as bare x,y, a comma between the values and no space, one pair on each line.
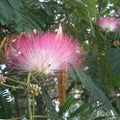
100,6
70,87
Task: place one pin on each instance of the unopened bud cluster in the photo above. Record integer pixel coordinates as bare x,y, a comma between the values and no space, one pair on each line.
2,79
33,90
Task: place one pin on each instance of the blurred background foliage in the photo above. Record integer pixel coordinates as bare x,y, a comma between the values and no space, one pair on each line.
93,91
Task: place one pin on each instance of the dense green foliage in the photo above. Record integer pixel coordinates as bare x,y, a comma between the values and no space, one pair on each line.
5,104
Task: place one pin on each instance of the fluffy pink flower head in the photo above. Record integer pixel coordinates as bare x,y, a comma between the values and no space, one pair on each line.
108,24
46,53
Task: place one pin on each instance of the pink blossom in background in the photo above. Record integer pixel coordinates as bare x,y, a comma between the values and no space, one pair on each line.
46,53
108,24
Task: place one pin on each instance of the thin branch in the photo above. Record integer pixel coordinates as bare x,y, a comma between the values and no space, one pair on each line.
100,6
70,87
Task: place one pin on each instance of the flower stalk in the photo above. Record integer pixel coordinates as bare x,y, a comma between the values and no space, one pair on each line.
33,107
28,99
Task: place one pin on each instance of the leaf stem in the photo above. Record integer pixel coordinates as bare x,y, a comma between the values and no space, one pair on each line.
16,81
13,87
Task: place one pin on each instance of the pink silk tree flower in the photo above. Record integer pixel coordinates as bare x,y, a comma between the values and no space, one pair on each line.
45,53
109,24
